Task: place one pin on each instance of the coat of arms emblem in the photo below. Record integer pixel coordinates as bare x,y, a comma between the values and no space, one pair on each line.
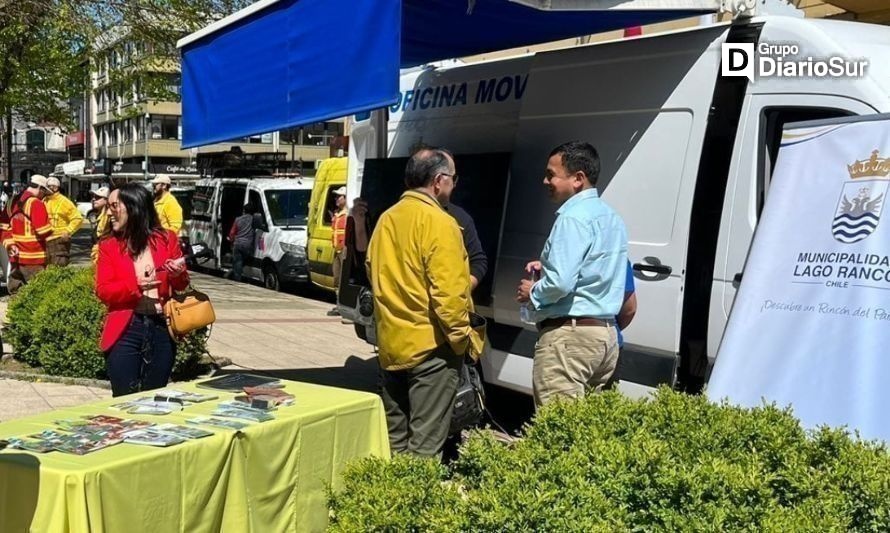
862,199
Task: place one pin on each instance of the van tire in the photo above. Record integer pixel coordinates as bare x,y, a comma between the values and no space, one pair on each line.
271,280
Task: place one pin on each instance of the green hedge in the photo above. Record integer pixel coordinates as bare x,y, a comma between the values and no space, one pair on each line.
19,331
609,463
55,322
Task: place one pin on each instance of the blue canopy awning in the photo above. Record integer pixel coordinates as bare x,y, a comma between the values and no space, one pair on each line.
285,63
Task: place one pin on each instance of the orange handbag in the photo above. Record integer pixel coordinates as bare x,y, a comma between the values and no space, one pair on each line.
188,311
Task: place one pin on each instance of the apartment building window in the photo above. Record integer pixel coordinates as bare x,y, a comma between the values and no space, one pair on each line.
174,84
112,134
35,140
127,130
101,104
137,91
115,58
140,129
165,127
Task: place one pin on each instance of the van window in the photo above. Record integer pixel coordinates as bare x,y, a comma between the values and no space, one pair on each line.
773,121
288,207
330,206
184,197
253,197
201,203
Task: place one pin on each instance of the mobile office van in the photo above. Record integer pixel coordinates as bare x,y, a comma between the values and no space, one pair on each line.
280,225
686,160
330,176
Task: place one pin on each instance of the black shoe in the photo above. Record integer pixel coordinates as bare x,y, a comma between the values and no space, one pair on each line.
334,312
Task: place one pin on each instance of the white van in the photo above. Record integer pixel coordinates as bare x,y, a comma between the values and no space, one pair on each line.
686,160
280,243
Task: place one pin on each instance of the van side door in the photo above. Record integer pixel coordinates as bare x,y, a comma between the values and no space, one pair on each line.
321,247
754,157
204,213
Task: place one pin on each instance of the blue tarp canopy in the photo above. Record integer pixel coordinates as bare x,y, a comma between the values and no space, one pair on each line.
285,63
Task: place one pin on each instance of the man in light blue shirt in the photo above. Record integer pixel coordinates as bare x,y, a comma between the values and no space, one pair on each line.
582,280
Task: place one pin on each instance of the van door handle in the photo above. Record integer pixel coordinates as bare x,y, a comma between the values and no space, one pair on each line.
319,250
737,279
664,270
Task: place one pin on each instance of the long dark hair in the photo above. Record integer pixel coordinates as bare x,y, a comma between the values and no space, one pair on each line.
142,219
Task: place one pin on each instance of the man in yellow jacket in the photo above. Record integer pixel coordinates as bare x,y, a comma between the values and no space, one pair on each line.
65,219
420,278
168,208
99,199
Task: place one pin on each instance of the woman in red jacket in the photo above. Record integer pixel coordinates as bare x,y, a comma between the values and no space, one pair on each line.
139,265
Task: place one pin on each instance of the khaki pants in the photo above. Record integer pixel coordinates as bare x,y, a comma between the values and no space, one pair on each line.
419,403
21,275
58,251
570,360
339,258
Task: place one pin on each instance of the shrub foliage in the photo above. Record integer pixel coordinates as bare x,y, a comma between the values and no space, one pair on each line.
55,322
609,463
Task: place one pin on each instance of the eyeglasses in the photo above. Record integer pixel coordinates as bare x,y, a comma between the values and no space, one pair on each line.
454,177
114,205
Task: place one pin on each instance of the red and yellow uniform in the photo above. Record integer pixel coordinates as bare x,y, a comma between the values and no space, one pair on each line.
339,226
27,229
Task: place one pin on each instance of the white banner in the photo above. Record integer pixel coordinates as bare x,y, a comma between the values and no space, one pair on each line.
810,326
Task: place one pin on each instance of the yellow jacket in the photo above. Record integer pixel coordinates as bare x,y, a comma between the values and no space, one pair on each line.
63,215
420,277
103,226
169,212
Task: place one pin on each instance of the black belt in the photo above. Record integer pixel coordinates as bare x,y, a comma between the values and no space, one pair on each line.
558,322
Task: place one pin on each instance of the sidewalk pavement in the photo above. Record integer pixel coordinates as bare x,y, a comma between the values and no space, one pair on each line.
277,334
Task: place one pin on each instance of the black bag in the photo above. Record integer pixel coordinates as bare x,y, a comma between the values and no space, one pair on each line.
469,402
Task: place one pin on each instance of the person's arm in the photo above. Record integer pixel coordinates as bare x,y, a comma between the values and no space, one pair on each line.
174,214
629,306
475,253
112,288
178,280
72,215
569,240
449,278
360,218
628,311
39,218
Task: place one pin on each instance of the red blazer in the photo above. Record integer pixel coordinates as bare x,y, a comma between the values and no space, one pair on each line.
116,284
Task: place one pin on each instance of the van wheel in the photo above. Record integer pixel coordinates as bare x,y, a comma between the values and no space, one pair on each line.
270,278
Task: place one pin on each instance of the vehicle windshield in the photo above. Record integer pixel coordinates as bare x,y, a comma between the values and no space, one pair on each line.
288,207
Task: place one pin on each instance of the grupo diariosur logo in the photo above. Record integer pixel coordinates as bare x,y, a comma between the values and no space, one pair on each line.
784,60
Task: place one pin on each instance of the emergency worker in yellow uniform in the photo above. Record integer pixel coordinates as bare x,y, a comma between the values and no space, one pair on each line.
168,208
65,219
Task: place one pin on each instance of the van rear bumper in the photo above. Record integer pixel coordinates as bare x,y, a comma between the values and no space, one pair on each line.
293,268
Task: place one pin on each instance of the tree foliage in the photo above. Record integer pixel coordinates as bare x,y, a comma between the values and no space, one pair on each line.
48,47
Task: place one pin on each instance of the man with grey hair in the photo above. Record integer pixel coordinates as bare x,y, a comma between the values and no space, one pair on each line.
420,278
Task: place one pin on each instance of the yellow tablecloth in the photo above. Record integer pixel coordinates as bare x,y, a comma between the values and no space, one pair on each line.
268,477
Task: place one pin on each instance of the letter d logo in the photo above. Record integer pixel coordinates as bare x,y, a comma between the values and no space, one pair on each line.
737,59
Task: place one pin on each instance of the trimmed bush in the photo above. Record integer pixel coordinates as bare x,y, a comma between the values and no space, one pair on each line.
609,463
67,326
20,313
59,328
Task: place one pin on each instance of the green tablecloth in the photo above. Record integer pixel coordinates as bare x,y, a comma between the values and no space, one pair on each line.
268,477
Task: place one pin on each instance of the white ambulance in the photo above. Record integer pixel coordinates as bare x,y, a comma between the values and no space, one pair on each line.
686,160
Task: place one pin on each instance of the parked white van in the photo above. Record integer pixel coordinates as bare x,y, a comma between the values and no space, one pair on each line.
686,160
280,242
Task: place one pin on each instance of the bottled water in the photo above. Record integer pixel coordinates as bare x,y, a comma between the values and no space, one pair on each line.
527,314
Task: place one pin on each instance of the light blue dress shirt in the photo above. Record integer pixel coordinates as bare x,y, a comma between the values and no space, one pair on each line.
584,261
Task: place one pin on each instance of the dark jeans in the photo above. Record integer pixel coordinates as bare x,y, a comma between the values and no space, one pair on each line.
142,359
419,403
239,256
